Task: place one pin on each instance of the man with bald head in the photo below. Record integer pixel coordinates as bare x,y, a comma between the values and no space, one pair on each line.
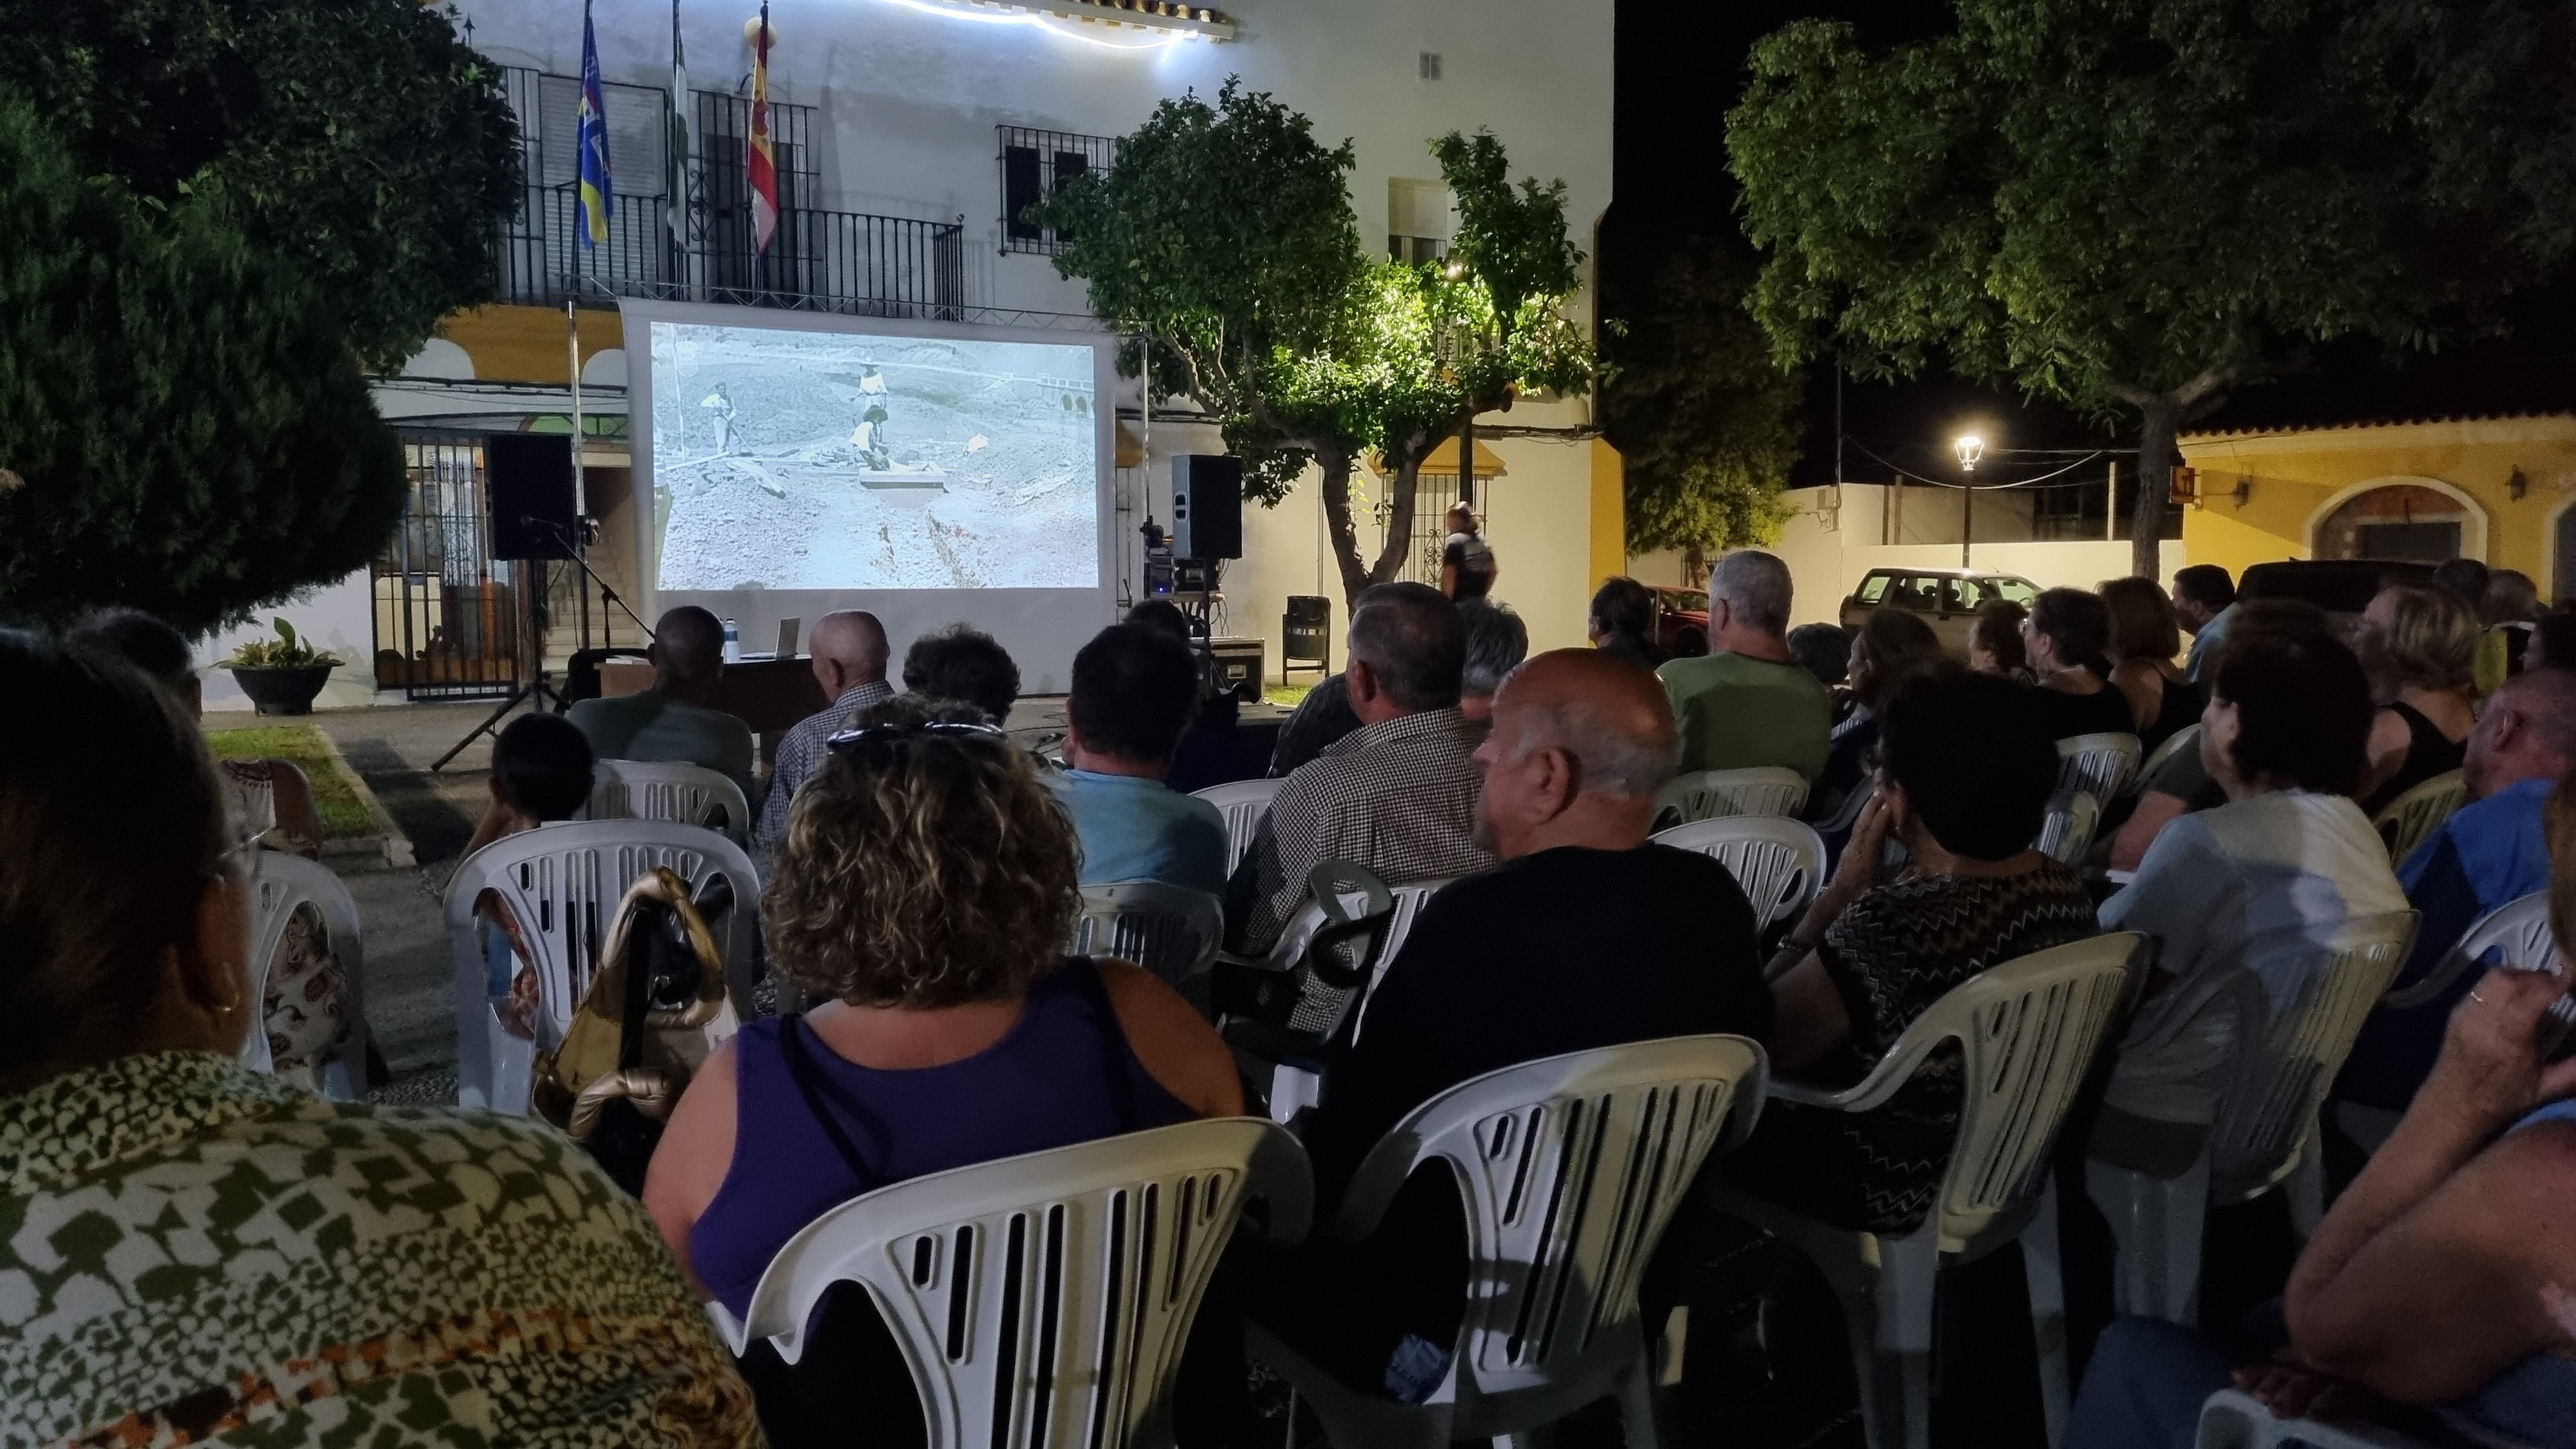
850,654
2488,852
1588,935
675,721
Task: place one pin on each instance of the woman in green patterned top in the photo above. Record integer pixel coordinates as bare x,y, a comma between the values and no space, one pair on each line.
190,1253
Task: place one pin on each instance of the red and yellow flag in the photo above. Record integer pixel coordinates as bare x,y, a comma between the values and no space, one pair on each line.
763,159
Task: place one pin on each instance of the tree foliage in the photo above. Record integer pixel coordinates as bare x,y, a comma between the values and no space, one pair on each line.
1224,239
357,139
1703,415
2133,205
181,427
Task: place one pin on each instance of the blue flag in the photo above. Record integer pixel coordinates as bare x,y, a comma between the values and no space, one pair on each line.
592,136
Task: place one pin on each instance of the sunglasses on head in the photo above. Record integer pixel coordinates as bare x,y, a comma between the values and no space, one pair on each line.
851,738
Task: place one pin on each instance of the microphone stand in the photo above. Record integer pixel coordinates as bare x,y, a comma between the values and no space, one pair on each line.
537,691
575,553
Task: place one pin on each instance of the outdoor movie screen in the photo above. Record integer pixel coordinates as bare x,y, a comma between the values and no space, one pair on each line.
786,457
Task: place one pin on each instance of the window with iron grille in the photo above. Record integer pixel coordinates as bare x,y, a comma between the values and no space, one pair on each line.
1421,217
1036,165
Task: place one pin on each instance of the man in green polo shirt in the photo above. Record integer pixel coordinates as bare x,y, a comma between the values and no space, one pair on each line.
1746,702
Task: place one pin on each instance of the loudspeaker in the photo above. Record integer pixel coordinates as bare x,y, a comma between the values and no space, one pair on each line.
1207,506
529,479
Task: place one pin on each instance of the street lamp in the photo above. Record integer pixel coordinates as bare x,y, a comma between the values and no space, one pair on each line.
1970,448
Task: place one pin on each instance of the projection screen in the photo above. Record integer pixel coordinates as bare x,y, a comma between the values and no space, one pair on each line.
788,464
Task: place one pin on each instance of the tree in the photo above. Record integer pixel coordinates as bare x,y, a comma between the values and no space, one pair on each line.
2135,205
357,139
1705,419
181,426
1223,238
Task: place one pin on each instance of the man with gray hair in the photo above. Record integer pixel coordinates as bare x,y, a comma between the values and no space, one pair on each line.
1589,935
1398,795
1497,641
1748,702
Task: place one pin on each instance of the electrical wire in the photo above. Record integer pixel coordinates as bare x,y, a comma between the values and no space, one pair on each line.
2040,481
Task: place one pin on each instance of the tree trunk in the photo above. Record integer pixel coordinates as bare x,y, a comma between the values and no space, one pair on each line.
1337,523
1400,492
2160,415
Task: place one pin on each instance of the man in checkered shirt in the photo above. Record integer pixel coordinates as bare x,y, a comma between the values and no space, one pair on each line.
850,656
1399,796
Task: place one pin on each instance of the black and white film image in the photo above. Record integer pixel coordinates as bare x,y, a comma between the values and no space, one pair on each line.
787,459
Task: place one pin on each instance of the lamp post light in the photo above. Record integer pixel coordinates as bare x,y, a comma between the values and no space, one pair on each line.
1970,448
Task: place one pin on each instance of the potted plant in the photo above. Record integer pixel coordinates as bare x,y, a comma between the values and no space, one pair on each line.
282,675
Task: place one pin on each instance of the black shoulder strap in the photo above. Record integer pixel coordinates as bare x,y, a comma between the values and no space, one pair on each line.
813,1086
1123,1062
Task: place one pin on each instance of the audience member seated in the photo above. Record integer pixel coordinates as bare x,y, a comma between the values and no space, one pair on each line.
2436,1287
2464,579
1212,751
1892,647
924,893
1320,720
1994,641
1586,936
1133,689
850,654
2252,883
673,721
2512,603
1746,702
2066,635
964,664
1823,650
1398,796
304,1005
1622,622
2144,640
542,773
2420,646
2493,850
2553,642
1497,641
1965,784
2204,600
2182,784
239,1259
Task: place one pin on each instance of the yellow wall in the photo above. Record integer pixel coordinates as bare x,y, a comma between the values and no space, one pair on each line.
527,344
2297,478
1609,513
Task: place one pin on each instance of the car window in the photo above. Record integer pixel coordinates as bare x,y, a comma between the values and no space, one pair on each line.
1872,590
2017,591
1963,596
1682,601
1916,592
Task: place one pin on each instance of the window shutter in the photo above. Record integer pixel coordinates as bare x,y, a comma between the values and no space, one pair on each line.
1020,191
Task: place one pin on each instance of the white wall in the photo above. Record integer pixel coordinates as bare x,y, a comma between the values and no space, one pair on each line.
908,96
336,617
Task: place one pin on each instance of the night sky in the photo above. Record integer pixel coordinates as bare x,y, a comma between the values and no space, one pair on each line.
1680,66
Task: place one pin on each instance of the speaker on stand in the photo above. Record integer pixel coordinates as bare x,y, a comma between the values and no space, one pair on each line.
530,501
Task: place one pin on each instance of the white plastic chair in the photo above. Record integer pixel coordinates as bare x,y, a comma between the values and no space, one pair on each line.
1243,803
2515,934
1321,1005
2027,1031
1167,929
1570,1168
2265,1133
562,883
2233,1419
2412,816
2099,765
1779,864
2066,832
2186,738
1708,794
662,790
283,883
1042,1301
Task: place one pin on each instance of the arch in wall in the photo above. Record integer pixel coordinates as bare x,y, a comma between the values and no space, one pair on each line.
2560,579
2330,516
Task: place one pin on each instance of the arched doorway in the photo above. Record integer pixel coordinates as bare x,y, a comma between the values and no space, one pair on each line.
2399,521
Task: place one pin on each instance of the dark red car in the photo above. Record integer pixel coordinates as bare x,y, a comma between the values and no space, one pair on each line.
1681,620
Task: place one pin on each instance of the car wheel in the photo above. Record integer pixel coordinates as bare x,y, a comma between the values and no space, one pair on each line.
1689,644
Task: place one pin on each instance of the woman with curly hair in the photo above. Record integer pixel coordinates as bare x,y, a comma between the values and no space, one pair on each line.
924,895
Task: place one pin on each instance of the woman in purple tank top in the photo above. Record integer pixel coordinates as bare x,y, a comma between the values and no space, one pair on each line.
924,893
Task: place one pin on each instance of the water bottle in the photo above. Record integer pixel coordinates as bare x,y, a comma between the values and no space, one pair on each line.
733,643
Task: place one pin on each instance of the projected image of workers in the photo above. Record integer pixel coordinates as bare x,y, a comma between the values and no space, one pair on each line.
869,437
722,408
